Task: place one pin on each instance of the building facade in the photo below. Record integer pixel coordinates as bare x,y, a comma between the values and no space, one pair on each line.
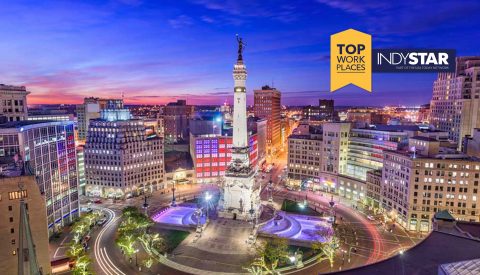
120,159
46,150
365,149
12,190
416,186
90,109
13,100
455,104
326,109
82,181
305,157
176,116
211,155
267,104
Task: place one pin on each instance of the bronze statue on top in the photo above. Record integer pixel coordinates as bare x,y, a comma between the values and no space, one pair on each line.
241,46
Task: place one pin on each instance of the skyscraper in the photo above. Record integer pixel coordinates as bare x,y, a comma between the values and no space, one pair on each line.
267,105
121,160
241,194
46,150
455,104
13,102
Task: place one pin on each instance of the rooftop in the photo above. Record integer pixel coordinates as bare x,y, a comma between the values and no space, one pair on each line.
425,258
423,138
444,215
24,123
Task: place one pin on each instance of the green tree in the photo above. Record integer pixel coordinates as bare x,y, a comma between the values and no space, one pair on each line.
75,250
275,250
327,250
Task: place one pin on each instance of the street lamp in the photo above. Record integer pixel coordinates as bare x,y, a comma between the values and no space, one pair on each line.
145,204
332,204
208,197
136,258
174,203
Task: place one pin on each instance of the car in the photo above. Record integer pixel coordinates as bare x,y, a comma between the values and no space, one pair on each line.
86,239
102,221
370,218
97,201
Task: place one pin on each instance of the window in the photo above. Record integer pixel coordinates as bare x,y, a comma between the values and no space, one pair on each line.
9,208
12,230
17,194
11,219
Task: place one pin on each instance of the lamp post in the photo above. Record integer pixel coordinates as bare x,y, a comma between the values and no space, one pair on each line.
208,197
270,188
174,203
332,204
145,204
136,258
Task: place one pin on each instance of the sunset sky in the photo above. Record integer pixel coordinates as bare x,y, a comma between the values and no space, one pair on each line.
158,51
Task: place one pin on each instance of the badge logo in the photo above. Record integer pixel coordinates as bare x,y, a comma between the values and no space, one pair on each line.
350,60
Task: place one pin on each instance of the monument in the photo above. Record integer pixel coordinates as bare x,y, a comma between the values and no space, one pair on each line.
241,194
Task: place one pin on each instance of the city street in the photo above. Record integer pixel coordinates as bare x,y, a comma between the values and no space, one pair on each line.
363,242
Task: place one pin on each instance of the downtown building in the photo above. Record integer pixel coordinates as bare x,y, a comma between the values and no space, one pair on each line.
121,160
267,104
211,154
13,102
426,179
45,149
176,116
323,112
13,218
90,109
455,104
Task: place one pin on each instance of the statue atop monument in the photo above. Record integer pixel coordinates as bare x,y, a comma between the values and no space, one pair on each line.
241,46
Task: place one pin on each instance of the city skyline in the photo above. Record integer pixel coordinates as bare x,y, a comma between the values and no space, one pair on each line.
159,53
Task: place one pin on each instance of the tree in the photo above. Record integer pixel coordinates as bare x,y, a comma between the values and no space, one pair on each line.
82,266
75,250
275,250
148,262
127,243
270,254
327,250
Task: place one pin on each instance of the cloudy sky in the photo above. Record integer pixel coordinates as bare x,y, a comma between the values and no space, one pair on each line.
157,51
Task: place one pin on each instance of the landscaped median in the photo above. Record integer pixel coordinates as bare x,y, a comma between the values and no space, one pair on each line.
79,260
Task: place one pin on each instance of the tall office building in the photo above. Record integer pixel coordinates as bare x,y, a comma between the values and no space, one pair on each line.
13,102
121,159
90,109
176,116
34,241
46,150
455,104
326,109
267,105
